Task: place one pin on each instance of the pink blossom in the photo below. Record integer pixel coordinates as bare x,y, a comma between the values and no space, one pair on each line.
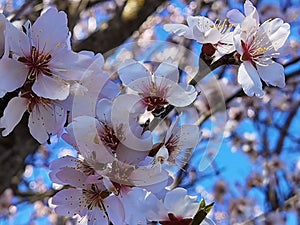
257,46
178,144
40,57
205,31
157,89
46,116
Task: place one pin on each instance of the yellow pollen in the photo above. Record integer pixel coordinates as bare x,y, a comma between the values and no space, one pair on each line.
261,50
160,159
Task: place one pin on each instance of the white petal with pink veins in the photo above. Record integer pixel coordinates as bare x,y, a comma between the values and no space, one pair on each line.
53,117
180,30
132,70
12,74
249,79
13,114
51,87
237,40
272,74
50,31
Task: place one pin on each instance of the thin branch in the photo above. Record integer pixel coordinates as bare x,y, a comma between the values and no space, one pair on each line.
23,8
285,128
263,215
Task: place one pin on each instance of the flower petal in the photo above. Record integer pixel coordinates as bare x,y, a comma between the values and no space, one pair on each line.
50,31
51,87
276,30
251,11
249,79
3,22
16,41
71,176
12,74
189,136
180,204
103,110
272,74
125,125
167,70
37,127
13,114
67,202
181,95
114,210
235,16
132,70
96,216
180,30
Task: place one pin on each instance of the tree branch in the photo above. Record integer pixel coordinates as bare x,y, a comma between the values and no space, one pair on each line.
285,128
117,30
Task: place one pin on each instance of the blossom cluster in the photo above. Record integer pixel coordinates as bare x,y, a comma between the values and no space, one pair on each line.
123,170
256,44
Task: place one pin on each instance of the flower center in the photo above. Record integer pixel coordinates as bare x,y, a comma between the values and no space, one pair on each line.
85,168
172,143
94,197
108,137
247,56
37,63
154,103
33,99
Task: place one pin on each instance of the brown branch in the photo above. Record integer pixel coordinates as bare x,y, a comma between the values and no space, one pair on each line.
13,150
28,4
117,30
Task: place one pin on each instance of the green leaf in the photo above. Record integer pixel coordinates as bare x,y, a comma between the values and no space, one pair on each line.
209,207
199,217
202,204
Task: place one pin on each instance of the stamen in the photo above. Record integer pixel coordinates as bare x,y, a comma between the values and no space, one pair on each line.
37,63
